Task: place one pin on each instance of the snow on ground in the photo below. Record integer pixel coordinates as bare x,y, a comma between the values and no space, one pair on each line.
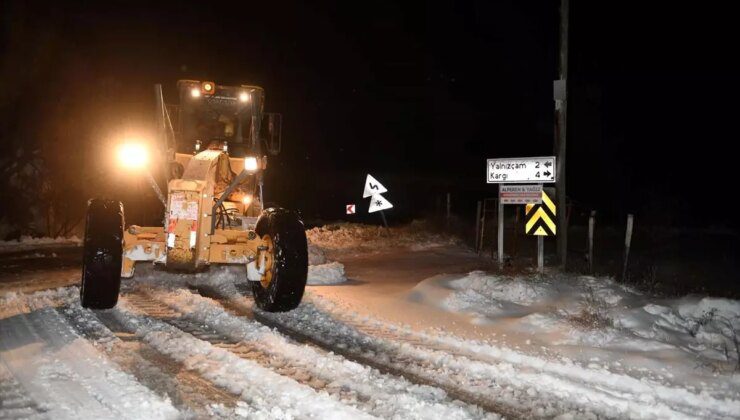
355,236
382,395
550,345
27,242
323,274
63,373
596,313
268,394
536,382
15,303
348,237
316,255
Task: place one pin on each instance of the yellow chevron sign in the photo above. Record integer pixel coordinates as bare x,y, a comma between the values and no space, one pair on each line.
540,218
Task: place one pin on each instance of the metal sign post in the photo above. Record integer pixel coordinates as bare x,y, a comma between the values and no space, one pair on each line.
540,254
540,221
500,230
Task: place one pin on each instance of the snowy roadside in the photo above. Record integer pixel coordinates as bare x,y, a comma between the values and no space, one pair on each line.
355,237
27,243
599,321
535,385
341,238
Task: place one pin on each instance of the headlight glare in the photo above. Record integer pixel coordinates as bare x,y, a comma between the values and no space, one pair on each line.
250,164
133,155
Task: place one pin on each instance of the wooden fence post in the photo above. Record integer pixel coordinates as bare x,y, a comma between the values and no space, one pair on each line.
477,227
627,244
591,226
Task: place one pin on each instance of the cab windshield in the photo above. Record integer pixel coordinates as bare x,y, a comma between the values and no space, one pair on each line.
215,119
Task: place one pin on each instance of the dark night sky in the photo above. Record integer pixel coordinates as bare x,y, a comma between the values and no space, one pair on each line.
419,94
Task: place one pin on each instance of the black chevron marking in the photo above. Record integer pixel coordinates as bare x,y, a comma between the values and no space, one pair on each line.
537,225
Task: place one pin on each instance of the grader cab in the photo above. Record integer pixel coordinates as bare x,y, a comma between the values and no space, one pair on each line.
212,150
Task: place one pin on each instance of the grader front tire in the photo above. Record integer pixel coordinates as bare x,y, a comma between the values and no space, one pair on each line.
102,254
285,281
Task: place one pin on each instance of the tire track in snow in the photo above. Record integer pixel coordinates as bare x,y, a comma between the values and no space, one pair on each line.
377,393
245,350
679,399
267,393
385,364
189,393
66,375
525,390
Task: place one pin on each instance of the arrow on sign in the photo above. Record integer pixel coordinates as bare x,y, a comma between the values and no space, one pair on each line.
378,202
546,173
548,164
372,187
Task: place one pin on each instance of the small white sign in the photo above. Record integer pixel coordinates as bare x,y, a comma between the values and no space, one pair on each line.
521,170
372,187
350,209
520,194
378,202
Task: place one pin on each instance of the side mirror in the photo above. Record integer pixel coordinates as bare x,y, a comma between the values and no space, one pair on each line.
272,127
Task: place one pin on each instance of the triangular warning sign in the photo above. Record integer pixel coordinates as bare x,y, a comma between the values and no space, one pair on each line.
378,202
372,187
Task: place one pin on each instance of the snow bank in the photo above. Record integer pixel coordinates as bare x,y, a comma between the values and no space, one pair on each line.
316,255
28,242
323,274
595,313
347,236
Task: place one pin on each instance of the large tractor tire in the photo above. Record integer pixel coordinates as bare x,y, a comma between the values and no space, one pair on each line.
102,254
284,281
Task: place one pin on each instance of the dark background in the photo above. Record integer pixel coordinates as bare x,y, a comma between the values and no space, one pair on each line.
418,94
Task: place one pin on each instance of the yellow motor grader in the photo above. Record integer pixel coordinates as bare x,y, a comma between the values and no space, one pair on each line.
212,158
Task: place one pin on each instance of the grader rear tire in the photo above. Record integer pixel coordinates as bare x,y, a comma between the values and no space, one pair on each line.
283,285
102,254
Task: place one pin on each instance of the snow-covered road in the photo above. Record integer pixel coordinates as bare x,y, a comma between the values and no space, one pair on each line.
195,346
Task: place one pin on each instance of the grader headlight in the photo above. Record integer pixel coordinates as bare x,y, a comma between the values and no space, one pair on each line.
251,164
133,155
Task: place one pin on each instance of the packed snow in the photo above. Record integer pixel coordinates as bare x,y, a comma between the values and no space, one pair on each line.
65,375
382,395
268,394
329,273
